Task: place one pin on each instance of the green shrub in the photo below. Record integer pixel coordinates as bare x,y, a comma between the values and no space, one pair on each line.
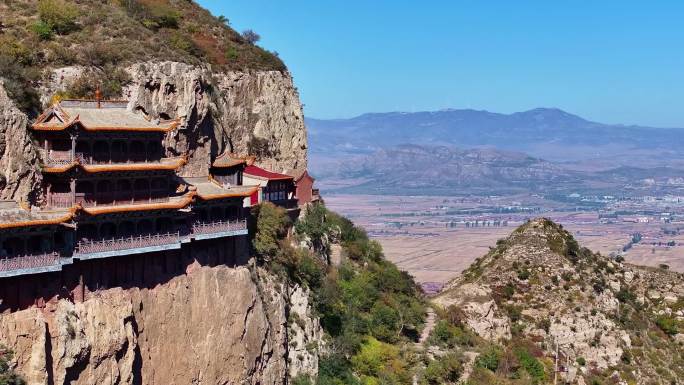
160,15
668,325
231,54
489,359
378,360
316,227
445,369
59,15
184,43
524,274
301,379
110,80
625,295
43,30
335,369
531,365
449,336
271,226
385,323
581,361
7,375
18,82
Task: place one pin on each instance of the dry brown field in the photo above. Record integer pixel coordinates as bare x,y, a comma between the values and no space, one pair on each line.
415,236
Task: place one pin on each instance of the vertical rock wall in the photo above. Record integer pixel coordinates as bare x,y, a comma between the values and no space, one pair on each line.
19,176
216,325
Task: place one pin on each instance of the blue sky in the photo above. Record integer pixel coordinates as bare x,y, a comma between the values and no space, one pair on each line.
610,61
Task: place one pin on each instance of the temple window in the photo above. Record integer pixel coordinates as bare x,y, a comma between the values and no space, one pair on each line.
164,225
107,230
101,151
126,229
86,231
145,226
14,246
137,151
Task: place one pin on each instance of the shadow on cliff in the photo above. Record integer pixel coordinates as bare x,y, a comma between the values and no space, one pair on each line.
144,271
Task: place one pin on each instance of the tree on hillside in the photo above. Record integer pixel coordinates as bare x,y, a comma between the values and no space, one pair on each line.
250,36
271,226
223,20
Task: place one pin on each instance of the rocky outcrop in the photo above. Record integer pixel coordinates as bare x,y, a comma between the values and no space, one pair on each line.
540,286
215,325
19,176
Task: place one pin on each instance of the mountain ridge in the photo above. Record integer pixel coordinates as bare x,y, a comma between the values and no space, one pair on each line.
538,295
549,133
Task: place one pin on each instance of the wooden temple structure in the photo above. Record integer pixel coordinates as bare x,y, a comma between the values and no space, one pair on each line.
116,210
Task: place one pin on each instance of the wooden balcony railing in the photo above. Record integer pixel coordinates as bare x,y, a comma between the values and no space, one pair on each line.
55,158
61,158
112,199
29,261
218,226
60,200
125,243
118,158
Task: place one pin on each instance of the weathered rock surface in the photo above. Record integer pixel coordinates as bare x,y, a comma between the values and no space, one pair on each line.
19,176
539,285
215,325
218,111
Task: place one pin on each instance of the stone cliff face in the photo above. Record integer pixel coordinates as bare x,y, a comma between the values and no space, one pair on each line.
218,111
215,325
19,177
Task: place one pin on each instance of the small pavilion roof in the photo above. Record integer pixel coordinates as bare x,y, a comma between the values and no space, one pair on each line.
165,164
12,215
299,173
228,159
95,115
209,189
260,173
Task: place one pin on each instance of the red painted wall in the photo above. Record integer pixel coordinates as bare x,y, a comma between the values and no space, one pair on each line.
304,189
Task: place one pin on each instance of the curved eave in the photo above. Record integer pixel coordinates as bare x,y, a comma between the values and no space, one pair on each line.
40,222
244,194
229,165
59,170
259,177
93,169
142,207
45,127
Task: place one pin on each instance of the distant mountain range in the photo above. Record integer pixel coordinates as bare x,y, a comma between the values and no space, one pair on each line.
546,133
465,151
442,170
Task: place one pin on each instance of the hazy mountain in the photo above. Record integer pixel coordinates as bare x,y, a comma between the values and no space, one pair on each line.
548,133
447,170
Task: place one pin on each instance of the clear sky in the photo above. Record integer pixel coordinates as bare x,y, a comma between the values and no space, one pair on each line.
610,61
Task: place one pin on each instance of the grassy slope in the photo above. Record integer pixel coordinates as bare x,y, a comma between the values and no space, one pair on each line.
106,35
126,29
371,312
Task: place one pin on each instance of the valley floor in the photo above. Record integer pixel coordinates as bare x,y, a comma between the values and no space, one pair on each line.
429,238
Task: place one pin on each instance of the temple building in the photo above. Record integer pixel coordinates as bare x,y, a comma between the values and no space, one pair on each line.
276,188
111,190
304,191
116,209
